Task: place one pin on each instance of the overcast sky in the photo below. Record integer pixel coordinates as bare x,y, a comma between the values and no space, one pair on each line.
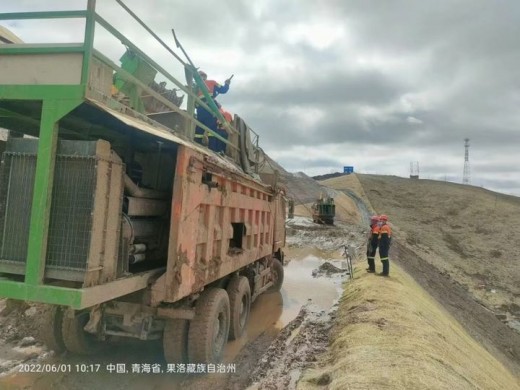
373,84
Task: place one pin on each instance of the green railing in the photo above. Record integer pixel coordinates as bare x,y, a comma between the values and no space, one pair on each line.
190,89
55,102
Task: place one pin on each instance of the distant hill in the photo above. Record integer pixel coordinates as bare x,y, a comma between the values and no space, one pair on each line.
300,187
329,176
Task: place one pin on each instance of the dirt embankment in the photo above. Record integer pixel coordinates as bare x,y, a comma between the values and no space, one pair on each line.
391,334
300,343
466,232
481,323
451,239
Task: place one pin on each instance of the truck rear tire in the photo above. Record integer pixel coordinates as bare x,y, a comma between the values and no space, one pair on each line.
75,339
239,293
277,270
175,341
51,328
209,329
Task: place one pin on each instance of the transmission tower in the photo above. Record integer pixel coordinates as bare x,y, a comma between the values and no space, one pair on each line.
414,170
466,175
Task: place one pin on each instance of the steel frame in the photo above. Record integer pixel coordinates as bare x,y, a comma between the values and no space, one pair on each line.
57,102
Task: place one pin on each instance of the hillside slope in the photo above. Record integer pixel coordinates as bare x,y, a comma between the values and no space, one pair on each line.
469,232
458,242
391,334
304,191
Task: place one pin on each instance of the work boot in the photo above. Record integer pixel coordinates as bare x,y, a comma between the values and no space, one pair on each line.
371,266
386,267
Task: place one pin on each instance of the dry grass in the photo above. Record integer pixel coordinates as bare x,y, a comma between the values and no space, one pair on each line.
346,209
466,231
303,210
390,334
350,183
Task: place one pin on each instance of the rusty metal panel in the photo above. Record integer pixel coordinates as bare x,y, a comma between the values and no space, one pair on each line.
279,225
97,239
203,222
101,77
106,217
113,220
82,222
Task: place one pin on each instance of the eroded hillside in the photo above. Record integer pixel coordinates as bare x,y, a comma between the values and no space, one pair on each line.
458,242
474,232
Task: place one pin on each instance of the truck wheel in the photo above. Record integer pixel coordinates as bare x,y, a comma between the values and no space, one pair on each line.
51,328
240,305
75,339
277,270
280,256
175,341
209,329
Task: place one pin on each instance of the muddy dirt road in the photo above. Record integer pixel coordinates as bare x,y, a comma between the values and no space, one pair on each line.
298,334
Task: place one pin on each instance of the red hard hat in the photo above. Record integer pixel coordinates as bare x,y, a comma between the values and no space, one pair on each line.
374,218
227,115
383,217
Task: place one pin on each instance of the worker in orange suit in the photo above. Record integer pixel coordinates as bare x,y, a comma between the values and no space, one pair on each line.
372,243
385,238
203,115
213,87
214,143
226,114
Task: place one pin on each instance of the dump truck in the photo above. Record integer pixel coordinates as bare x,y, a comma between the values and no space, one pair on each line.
112,216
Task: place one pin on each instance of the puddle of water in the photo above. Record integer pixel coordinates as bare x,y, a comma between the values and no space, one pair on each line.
269,314
300,286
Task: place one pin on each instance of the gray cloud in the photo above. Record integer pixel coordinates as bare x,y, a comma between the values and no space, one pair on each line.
322,90
335,83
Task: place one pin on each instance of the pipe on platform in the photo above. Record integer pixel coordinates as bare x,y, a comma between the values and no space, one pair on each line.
132,259
134,190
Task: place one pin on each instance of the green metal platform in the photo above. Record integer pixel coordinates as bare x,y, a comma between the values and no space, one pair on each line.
72,91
